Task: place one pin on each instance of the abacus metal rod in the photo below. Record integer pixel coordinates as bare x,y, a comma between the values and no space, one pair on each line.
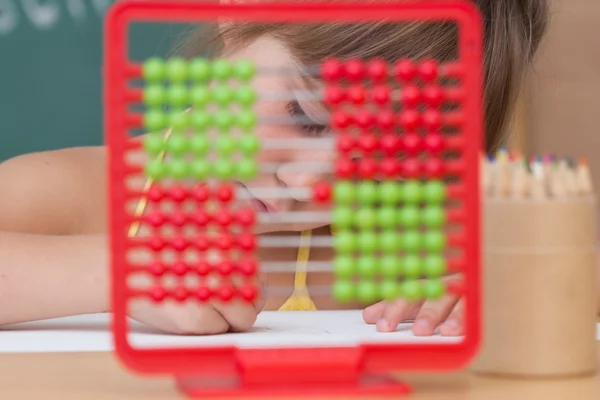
308,166
274,193
312,266
298,216
292,241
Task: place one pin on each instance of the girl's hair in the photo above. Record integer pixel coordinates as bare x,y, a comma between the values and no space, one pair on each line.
513,31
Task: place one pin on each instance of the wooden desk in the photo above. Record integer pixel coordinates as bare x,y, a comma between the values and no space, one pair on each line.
100,377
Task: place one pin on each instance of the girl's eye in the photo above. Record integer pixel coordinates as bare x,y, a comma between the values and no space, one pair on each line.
303,122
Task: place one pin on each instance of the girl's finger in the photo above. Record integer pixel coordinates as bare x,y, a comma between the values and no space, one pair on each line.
374,313
396,312
239,315
454,323
432,314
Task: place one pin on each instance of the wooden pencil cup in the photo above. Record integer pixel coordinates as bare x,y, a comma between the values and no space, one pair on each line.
539,288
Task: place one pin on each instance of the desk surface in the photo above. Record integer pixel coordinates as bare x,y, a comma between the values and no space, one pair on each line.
99,376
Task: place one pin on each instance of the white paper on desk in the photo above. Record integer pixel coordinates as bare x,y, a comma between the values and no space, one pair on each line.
91,333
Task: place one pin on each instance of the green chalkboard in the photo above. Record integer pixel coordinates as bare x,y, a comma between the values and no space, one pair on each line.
50,71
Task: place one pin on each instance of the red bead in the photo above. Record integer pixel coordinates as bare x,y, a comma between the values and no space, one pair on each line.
434,168
158,293
203,268
433,95
157,243
412,143
155,218
428,70
201,218
367,168
248,292
345,143
202,243
226,292
179,243
246,241
225,193
357,94
246,217
157,268
248,266
178,193
201,193
180,268
377,69
223,218
409,120
434,143
411,168
365,119
334,95
432,120
390,167
381,95
345,168
390,143
355,69
155,194
340,119
180,294
203,293
385,119
368,142
410,96
178,218
225,268
331,69
224,242
405,70
322,192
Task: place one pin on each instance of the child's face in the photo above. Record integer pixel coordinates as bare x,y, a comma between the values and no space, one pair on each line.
306,142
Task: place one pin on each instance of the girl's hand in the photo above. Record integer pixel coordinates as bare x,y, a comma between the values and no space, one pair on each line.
446,313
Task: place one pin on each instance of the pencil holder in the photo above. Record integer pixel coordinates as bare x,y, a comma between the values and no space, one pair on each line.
539,287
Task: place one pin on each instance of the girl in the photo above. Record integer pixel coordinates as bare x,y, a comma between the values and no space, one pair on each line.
53,246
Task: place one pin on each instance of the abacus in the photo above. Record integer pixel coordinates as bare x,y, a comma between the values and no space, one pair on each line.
401,193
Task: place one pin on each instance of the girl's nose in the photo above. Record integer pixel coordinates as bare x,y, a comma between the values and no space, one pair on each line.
300,178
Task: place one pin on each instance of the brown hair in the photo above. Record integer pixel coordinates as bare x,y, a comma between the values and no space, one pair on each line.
513,31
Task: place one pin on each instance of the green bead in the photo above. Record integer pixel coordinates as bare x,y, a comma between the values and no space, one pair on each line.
153,70
342,217
390,242
200,169
222,95
412,192
154,143
409,217
249,144
367,242
344,291
434,290
176,70
177,169
154,95
199,145
412,267
386,217
225,145
201,121
179,121
411,291
178,96
434,266
155,120
221,69
246,169
434,192
223,120
155,170
344,266
389,290
177,144
434,241
224,169
246,120
390,193
367,266
390,266
367,193
365,218
344,193
245,96
345,242
412,241
367,292
200,96
199,70
434,217
244,70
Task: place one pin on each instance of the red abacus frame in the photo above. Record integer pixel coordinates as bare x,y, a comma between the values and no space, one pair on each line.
230,371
